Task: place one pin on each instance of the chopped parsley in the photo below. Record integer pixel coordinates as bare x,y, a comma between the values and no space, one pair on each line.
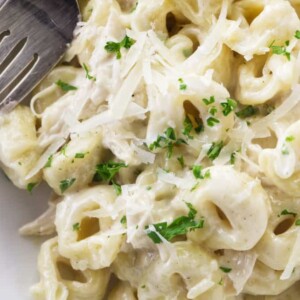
167,141
80,155
123,220
149,188
181,161
87,73
209,101
197,171
187,127
190,123
297,34
107,171
76,227
49,162
225,269
281,50
31,186
297,222
285,212
232,158
213,110
211,121
64,149
247,112
228,106
65,86
182,85
115,47
179,226
289,138
215,150
66,184
117,188
285,150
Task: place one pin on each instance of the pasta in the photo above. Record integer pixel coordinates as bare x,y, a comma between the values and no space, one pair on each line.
170,138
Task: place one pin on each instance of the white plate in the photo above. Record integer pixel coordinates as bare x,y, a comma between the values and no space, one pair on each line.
18,255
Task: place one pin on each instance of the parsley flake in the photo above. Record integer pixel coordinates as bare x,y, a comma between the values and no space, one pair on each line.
49,162
107,171
31,186
215,150
247,112
181,161
182,85
76,227
66,184
115,47
285,212
167,141
123,220
285,150
289,138
280,50
297,222
197,171
213,110
117,188
211,121
179,226
228,106
209,101
80,155
87,73
65,86
64,149
297,34
232,158
225,269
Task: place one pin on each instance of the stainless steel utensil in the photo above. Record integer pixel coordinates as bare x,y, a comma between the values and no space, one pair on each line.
33,37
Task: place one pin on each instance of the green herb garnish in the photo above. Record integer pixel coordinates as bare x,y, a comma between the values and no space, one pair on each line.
117,188
209,101
179,226
31,186
107,171
281,50
225,269
285,212
182,85
80,155
197,171
289,138
49,162
115,47
65,86
211,121
297,34
215,150
247,112
213,110
123,220
87,73
297,223
167,141
76,227
66,184
181,161
228,106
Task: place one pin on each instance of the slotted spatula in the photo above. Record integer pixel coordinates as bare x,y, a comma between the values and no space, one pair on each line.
33,37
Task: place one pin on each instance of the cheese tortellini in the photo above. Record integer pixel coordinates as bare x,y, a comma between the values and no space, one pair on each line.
169,135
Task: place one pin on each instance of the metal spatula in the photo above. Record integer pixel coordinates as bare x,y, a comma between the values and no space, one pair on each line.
33,37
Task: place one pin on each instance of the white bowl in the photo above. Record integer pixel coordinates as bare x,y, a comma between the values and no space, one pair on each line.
18,255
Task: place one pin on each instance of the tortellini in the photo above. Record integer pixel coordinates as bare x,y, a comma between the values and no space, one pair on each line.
83,223
76,163
237,211
19,147
281,164
59,281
